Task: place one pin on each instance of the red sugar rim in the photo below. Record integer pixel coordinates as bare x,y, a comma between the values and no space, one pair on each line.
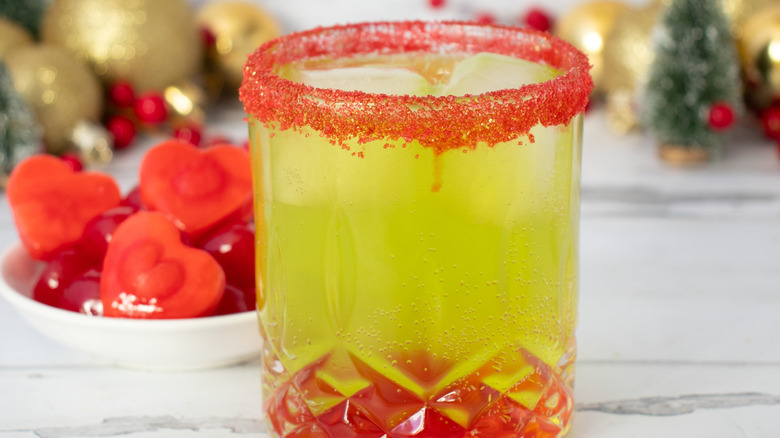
440,122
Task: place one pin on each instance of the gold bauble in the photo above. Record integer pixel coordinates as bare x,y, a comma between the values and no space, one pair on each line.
61,91
737,11
759,52
239,28
628,53
187,102
12,37
587,27
93,143
151,43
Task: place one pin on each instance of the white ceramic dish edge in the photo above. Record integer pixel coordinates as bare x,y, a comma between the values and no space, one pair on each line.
155,345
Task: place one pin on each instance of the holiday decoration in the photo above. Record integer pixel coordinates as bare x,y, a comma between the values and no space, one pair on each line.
19,132
587,26
12,37
683,156
73,161
150,108
627,56
737,11
149,56
721,116
770,121
187,102
122,129
538,19
695,68
191,134
61,91
238,29
484,17
151,44
760,56
26,13
92,143
121,94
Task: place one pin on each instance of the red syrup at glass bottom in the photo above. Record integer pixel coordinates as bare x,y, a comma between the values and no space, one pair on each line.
465,408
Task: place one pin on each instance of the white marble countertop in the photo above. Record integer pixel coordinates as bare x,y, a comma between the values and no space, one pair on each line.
679,331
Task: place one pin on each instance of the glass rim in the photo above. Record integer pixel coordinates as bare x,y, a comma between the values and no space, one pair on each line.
440,122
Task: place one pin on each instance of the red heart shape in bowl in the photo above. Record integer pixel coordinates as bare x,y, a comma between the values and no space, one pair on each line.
197,188
51,203
149,273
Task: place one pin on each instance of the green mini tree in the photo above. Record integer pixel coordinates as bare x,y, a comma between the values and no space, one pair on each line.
19,131
27,13
693,88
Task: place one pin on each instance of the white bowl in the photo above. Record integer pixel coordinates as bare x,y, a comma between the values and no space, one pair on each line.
160,345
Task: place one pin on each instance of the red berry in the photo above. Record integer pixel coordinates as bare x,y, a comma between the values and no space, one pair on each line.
485,18
73,161
62,270
97,233
436,3
234,250
538,19
770,120
236,300
133,199
122,129
721,116
121,94
189,133
209,39
82,295
150,108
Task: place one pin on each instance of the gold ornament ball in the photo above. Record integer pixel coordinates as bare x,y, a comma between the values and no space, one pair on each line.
187,102
587,27
737,11
92,142
151,43
759,51
61,91
628,53
239,28
12,37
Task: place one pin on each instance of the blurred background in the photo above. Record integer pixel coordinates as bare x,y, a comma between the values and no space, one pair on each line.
302,14
682,72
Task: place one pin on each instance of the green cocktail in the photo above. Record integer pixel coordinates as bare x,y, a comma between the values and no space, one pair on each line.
417,236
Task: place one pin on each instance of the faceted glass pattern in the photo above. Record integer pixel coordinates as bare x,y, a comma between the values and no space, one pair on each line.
341,396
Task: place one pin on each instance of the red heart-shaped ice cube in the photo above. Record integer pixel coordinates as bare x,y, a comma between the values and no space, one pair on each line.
51,203
149,273
197,188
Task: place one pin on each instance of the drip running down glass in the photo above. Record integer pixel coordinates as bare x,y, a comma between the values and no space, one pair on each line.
417,210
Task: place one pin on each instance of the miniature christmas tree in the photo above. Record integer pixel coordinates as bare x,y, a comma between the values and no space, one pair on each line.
27,13
694,87
19,132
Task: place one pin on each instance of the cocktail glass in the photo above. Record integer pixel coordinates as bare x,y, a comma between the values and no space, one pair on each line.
417,240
